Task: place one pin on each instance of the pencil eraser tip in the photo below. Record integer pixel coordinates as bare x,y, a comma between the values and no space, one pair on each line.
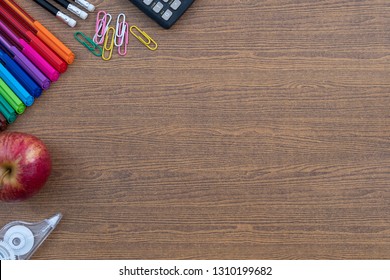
72,23
91,8
83,15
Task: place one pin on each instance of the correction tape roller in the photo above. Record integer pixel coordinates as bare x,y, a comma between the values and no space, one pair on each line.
19,240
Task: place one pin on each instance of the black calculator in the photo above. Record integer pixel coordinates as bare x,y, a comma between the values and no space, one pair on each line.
164,12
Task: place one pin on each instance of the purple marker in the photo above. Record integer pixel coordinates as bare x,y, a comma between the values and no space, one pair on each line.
32,54
26,64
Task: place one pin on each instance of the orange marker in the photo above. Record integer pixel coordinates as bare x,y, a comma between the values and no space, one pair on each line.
44,34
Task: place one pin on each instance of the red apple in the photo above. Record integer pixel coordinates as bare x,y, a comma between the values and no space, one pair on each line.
25,165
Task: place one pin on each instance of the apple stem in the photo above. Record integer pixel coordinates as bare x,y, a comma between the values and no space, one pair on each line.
6,172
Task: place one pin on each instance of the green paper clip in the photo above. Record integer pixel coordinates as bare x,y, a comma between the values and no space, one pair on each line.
88,43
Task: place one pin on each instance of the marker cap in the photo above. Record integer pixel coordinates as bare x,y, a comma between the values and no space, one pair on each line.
7,111
45,35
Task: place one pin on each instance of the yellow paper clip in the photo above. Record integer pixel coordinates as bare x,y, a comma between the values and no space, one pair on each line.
144,39
109,48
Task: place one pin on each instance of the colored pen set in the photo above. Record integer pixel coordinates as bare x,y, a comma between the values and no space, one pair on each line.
107,37
31,58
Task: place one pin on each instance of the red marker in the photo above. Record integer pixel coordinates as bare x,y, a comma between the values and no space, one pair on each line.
51,57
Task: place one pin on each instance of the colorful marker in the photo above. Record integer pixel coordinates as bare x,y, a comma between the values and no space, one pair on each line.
16,87
11,98
25,63
31,54
48,54
23,78
7,111
41,32
57,13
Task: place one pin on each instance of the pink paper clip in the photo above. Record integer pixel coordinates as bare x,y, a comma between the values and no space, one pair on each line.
126,40
100,23
101,27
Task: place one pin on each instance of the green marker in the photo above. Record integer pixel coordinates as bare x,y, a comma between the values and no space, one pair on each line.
11,98
7,110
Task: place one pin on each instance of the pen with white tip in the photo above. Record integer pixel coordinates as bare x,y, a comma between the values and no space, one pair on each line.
57,13
86,5
72,8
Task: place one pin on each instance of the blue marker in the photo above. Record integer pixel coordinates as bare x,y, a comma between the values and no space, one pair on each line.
23,78
16,87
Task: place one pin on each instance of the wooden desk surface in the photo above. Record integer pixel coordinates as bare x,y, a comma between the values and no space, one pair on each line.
257,130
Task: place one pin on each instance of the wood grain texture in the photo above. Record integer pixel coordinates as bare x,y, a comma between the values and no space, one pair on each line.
258,130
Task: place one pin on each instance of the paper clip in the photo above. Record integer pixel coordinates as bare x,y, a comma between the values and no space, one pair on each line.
88,43
149,42
101,26
120,30
111,46
126,41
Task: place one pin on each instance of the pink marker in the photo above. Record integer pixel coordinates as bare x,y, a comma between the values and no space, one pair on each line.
31,54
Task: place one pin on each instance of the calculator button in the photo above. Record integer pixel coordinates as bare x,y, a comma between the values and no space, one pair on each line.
165,1
148,2
158,7
176,4
167,15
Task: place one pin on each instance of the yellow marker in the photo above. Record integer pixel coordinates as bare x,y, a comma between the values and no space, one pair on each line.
144,39
109,48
